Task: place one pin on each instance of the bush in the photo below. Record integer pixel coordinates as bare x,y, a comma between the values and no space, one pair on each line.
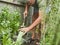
9,24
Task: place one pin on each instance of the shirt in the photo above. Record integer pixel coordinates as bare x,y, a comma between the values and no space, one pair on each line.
39,5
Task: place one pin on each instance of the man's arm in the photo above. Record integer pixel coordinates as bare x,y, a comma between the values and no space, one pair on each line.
26,10
26,7
37,21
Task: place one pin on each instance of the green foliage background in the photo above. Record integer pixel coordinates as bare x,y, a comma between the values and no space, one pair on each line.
9,24
52,23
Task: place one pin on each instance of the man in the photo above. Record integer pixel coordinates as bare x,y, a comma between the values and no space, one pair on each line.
38,13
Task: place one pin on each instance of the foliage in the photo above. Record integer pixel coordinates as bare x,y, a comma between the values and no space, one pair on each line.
9,24
52,23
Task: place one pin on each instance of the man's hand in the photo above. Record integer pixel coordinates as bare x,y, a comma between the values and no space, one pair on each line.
25,30
25,13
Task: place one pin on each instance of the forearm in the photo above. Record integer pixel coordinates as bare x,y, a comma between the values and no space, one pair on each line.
36,22
26,7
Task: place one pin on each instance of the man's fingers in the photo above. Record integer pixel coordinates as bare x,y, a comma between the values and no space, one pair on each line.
22,30
25,14
19,29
